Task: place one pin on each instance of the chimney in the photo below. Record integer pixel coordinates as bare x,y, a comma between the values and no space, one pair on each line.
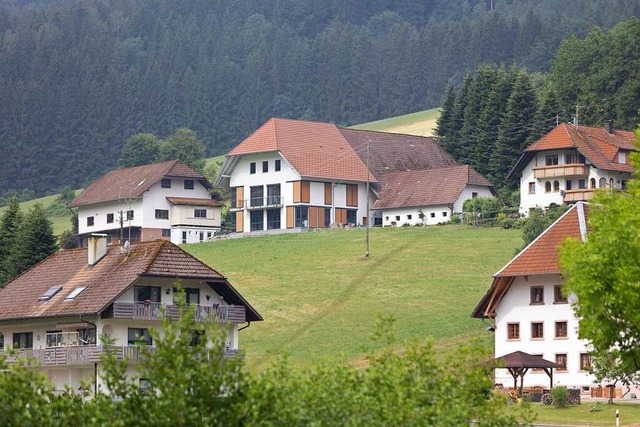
97,248
608,126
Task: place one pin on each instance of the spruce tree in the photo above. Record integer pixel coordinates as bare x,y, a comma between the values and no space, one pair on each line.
453,143
9,225
514,130
444,123
546,117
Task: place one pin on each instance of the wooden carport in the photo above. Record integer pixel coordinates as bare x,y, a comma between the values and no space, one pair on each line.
519,362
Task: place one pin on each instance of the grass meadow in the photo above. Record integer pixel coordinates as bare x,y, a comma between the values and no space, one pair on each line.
421,123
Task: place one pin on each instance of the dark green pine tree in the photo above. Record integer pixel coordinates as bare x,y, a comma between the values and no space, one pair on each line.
514,130
546,118
34,241
453,144
443,123
9,225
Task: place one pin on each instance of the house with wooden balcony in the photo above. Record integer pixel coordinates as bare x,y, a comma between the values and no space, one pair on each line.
570,163
296,174
166,200
57,311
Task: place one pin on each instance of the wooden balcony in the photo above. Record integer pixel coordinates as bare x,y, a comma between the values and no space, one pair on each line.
580,195
83,355
153,311
573,169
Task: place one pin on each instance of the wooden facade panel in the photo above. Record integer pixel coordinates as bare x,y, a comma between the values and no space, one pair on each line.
352,195
240,222
328,196
239,197
341,216
297,193
306,192
321,217
313,217
290,217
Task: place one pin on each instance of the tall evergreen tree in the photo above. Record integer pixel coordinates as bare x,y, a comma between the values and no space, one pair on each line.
9,225
444,121
546,117
514,129
454,143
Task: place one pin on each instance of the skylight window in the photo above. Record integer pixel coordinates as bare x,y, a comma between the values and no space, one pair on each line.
50,293
75,293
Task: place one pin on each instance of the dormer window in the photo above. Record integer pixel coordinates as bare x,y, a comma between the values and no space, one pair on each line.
50,293
622,157
165,183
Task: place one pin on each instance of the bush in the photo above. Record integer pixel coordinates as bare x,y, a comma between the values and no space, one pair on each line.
560,396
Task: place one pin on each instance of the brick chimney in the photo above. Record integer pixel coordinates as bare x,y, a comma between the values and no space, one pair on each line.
97,248
608,126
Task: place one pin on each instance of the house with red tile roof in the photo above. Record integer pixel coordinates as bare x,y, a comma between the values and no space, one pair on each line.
570,163
530,313
295,174
166,200
57,311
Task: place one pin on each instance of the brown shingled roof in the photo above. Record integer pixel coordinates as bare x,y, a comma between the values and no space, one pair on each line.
539,258
133,182
104,281
426,187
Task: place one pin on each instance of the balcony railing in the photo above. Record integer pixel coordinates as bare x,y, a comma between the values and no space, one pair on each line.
83,355
202,313
572,169
579,195
257,203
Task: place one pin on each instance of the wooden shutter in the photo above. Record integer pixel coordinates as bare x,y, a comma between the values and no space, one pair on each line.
327,193
341,216
306,192
240,222
290,217
321,217
352,195
313,217
239,197
297,194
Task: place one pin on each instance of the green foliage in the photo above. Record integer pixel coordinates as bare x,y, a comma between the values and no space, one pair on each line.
606,368
603,273
139,149
9,226
538,221
596,406
482,210
184,145
560,396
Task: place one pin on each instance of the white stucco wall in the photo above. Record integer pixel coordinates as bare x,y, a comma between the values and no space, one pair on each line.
432,215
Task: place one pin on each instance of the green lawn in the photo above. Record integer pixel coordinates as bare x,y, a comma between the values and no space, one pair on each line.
581,414
320,297
419,123
60,223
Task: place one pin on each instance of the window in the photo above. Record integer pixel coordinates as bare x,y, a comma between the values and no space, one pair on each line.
146,293
252,167
301,216
197,338
386,218
556,186
585,361
273,195
87,336
165,183
75,293
582,184
166,232
273,219
109,218
184,237
537,330
551,160
547,187
433,214
592,183
188,184
200,213
513,331
561,330
265,166
558,297
202,236
191,295
23,340
444,213
570,158
409,217
162,214
327,217
257,194
623,184
89,221
50,293
397,217
139,336
622,157
602,183
129,215
277,165
567,184
474,194
257,220
352,216
532,188
561,359
537,295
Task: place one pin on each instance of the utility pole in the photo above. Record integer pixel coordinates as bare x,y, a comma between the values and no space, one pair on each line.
366,254
121,227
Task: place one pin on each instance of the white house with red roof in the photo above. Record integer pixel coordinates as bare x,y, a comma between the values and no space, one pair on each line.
56,311
298,174
166,200
529,312
570,162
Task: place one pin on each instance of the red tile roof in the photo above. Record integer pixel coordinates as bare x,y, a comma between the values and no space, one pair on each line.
188,201
314,149
596,144
133,182
539,258
426,187
104,281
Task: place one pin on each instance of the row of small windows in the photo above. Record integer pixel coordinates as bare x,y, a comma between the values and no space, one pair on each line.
159,214
166,183
110,218
561,359
265,166
537,330
554,187
410,216
537,295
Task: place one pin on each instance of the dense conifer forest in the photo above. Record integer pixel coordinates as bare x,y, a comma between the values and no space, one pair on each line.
78,77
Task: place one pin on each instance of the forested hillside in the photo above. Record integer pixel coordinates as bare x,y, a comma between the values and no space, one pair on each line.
77,77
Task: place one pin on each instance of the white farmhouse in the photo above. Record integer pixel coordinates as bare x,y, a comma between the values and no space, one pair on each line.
56,311
570,162
530,313
294,174
167,200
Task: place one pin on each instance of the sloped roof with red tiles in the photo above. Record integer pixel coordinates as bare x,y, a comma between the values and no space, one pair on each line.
392,152
596,144
426,187
314,149
133,182
188,201
540,257
104,281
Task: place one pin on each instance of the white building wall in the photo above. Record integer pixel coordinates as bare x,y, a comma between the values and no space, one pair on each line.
468,193
433,215
156,198
99,212
515,307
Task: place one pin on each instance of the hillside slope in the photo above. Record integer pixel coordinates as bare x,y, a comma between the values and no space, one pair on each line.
420,123
320,298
